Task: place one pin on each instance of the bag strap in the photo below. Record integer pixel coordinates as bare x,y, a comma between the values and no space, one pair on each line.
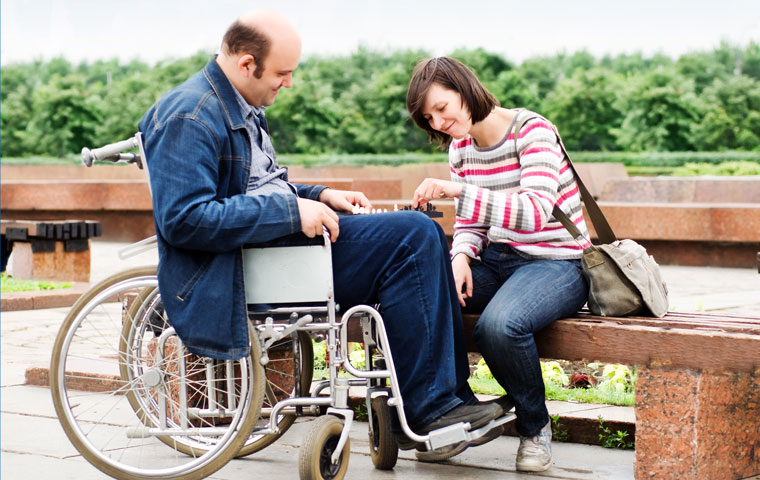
603,230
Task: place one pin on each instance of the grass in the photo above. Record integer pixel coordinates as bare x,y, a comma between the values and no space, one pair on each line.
483,382
67,160
9,284
489,386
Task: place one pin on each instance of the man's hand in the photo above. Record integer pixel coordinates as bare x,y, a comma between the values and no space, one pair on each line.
343,200
462,276
435,189
316,216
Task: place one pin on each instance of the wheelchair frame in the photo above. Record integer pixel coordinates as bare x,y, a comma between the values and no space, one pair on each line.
308,284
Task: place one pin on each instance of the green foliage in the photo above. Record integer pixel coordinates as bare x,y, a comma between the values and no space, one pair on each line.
482,370
560,433
320,355
617,378
556,391
9,284
660,109
732,115
725,168
360,413
356,355
355,104
553,373
665,159
584,108
610,439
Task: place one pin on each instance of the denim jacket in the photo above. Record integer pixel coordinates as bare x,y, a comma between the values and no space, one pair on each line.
199,157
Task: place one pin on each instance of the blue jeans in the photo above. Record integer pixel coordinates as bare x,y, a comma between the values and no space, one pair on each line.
401,261
517,297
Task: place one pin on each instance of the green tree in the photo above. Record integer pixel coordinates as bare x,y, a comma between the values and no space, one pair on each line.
303,119
513,90
584,108
486,65
732,118
703,68
64,118
660,109
542,73
750,60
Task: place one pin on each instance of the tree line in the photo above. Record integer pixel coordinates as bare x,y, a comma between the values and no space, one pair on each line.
701,101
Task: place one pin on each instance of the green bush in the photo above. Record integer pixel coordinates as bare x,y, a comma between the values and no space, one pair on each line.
665,159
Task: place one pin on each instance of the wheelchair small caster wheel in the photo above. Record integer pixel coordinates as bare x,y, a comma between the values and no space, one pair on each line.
383,447
315,457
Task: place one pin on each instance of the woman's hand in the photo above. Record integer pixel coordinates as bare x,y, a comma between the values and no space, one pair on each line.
435,189
462,276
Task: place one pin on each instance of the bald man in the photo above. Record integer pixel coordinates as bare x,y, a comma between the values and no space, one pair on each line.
216,186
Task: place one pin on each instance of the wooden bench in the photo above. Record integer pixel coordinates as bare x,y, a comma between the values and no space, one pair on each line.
50,250
698,388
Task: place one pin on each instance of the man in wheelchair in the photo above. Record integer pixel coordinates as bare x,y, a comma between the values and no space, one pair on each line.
216,186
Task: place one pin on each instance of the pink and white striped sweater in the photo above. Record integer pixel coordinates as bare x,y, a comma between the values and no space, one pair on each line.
504,200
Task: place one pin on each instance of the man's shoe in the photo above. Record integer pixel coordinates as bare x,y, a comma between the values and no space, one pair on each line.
444,453
505,402
404,442
476,415
535,453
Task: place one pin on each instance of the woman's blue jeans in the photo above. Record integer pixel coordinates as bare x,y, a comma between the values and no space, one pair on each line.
401,261
516,297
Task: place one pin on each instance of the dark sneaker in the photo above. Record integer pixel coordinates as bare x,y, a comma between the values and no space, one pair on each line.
476,415
404,442
505,402
444,453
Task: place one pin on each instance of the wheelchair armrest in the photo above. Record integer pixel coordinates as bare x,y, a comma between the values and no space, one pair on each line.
294,240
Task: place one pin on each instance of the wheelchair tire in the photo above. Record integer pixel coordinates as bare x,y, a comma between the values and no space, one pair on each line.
147,318
382,445
314,459
88,392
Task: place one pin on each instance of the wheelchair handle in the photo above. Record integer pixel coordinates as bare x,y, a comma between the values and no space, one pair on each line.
103,153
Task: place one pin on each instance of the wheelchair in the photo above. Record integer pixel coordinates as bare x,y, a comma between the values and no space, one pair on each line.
155,410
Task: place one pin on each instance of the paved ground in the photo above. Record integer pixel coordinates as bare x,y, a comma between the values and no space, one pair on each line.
35,447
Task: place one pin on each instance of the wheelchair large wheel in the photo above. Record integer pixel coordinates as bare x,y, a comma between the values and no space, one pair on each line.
91,401
314,459
291,362
382,446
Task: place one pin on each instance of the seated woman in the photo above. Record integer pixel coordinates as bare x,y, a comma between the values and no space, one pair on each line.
512,261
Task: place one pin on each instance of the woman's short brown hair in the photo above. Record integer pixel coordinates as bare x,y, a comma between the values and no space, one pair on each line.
452,75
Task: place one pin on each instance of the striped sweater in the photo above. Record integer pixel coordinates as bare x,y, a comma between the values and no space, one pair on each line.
506,200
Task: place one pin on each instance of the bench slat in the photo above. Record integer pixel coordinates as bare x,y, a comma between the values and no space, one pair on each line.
651,346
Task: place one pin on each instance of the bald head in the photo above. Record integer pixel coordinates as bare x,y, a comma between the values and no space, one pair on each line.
259,53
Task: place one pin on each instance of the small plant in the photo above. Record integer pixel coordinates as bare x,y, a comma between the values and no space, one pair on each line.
617,378
356,356
560,433
609,439
552,372
320,355
360,413
482,370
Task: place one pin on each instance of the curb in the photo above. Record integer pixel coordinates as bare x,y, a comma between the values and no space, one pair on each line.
15,301
572,429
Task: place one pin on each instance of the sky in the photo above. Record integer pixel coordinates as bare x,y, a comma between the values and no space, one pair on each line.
154,30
